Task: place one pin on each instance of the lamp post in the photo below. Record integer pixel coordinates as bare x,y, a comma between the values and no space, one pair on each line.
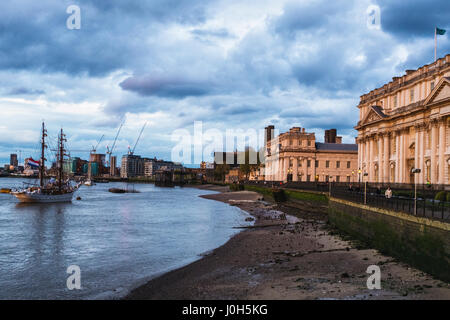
329,186
365,187
415,171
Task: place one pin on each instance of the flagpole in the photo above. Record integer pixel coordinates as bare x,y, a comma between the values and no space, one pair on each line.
435,44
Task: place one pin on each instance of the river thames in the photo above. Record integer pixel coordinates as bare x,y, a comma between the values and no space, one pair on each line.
118,240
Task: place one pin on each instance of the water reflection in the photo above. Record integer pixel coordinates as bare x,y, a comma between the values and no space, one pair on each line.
116,239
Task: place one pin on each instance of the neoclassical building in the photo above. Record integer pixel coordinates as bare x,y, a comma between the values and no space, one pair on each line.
296,156
404,125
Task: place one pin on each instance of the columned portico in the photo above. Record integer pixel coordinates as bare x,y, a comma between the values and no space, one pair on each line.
393,140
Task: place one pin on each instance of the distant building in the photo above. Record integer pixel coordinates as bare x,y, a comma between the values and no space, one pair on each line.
296,156
13,160
131,166
153,165
113,166
98,163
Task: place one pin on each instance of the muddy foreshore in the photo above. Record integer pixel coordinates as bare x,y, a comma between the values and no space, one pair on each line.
289,253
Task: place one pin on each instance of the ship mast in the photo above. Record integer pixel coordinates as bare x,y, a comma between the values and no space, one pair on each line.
42,162
61,159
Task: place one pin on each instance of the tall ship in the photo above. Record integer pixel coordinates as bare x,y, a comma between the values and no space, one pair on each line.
49,190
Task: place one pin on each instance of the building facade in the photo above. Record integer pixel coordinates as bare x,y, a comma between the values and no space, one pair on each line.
405,125
131,166
13,160
153,165
296,156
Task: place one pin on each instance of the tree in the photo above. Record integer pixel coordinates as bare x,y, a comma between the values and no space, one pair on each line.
220,171
247,167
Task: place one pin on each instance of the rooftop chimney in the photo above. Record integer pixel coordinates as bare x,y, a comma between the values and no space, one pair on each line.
269,133
330,136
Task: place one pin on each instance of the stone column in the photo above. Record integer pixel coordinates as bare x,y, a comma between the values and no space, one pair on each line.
441,152
370,160
314,169
397,157
380,160
416,153
295,169
386,170
285,167
421,155
359,152
434,141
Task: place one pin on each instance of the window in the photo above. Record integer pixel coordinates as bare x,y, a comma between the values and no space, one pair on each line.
338,178
309,143
395,101
431,85
299,163
348,164
308,178
411,95
308,163
327,164
290,142
317,163
338,164
348,178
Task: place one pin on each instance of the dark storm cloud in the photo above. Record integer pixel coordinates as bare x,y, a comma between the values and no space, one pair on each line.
414,18
165,87
25,91
33,34
306,16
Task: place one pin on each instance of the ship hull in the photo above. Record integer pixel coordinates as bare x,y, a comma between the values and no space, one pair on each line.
43,198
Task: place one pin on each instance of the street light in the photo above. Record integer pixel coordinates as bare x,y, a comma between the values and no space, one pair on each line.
415,171
329,184
365,187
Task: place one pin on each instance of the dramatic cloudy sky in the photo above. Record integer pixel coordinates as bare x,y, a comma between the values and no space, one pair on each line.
229,63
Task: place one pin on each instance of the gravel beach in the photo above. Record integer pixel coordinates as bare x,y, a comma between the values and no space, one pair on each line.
289,253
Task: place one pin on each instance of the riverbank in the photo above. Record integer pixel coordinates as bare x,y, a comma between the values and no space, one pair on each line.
288,254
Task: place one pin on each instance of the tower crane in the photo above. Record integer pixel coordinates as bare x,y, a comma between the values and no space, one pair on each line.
131,152
110,151
94,149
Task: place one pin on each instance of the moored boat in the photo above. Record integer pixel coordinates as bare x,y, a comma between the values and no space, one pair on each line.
59,190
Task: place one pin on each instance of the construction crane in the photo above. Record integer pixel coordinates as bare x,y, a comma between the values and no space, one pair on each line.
94,149
131,152
110,151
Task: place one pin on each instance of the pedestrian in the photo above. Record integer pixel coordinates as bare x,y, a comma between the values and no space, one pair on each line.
388,193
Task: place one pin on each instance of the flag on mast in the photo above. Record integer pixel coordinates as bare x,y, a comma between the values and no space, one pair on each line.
437,31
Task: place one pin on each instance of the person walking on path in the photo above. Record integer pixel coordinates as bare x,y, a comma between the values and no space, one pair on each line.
388,193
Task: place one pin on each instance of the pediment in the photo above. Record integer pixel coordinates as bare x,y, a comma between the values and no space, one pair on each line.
440,92
375,114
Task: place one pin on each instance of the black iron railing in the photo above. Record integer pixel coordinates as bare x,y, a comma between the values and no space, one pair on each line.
372,194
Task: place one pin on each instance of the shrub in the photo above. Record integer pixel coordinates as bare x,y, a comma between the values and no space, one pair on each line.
236,187
279,195
448,197
441,196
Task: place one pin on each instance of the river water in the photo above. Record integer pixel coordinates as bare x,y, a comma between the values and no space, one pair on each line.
118,240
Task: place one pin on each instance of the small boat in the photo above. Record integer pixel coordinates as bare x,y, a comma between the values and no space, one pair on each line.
88,183
5,190
59,190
